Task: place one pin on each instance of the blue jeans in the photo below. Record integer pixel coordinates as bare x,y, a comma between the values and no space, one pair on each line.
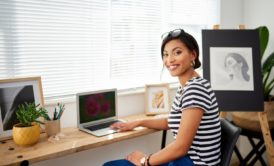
183,161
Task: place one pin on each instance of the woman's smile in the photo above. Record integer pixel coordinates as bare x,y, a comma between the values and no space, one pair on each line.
172,67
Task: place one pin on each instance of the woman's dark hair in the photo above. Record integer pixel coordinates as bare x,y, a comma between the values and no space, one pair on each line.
185,38
239,59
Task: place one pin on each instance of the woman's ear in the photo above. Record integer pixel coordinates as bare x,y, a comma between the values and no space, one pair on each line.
193,55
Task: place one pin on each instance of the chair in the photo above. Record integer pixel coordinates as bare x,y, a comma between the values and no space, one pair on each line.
230,135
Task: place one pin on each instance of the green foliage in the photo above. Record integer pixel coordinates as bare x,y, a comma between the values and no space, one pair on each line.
28,113
264,36
268,84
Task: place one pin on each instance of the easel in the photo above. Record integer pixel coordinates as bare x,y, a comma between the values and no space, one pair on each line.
263,122
267,136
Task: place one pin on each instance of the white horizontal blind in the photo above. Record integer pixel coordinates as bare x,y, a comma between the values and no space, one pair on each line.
66,42
192,16
87,44
135,40
195,12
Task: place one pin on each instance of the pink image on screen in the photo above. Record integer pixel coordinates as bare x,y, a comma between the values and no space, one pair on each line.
92,106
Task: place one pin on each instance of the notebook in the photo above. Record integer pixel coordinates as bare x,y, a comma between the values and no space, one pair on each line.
96,111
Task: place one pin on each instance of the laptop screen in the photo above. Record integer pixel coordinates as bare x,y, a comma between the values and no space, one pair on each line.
96,105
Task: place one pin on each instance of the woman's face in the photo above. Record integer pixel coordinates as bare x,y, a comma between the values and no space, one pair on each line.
233,67
177,58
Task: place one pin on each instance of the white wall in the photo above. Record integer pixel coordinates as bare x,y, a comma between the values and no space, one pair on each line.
231,14
97,156
257,13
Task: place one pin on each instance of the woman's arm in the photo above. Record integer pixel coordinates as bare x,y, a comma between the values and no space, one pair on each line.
189,124
159,124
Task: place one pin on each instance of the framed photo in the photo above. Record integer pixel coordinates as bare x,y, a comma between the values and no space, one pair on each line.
13,92
157,99
232,64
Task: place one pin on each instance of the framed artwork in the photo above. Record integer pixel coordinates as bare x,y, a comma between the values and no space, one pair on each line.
232,64
13,92
157,99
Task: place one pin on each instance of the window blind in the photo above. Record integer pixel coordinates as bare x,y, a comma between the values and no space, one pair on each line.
91,44
64,42
135,40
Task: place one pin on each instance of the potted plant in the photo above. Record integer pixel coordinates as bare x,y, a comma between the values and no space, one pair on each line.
27,131
250,120
268,83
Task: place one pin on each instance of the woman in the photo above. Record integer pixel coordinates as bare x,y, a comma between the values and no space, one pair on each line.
194,118
237,67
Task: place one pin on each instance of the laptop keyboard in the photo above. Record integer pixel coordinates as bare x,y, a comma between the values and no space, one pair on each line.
101,126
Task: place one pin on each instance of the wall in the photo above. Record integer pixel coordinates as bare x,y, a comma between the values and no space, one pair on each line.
231,14
257,13
96,157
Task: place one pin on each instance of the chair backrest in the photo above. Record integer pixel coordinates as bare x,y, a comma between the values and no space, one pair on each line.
230,135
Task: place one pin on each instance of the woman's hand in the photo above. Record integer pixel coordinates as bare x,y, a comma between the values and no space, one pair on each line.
124,126
135,157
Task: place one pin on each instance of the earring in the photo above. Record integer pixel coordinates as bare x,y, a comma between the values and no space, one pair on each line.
193,63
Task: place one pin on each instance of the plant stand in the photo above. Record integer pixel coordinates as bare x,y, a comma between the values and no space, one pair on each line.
258,148
252,124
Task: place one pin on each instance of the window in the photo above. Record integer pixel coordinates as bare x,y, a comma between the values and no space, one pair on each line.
87,44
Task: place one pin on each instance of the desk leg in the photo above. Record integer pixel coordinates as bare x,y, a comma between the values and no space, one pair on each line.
163,139
24,163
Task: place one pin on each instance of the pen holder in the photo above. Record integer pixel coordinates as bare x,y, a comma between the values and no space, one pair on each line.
52,127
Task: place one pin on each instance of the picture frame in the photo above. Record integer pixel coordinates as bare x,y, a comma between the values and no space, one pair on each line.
232,64
13,92
157,99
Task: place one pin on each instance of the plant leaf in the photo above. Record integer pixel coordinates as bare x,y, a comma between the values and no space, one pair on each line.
263,36
268,64
268,88
28,113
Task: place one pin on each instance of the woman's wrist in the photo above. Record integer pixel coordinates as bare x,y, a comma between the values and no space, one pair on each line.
138,123
147,160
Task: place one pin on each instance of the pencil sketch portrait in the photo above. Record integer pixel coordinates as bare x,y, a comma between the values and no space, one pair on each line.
231,68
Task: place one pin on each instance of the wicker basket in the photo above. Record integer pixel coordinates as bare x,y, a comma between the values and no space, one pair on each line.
250,120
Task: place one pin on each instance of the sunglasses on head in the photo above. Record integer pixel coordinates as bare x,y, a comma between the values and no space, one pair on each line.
174,33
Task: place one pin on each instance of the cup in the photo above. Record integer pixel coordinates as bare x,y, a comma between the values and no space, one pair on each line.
52,127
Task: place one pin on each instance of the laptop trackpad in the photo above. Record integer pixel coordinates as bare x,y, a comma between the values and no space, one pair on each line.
102,132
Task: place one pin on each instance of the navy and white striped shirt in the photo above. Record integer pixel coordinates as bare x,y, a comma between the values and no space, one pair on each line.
197,92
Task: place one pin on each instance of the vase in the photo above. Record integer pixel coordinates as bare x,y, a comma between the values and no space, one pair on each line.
26,136
52,127
250,120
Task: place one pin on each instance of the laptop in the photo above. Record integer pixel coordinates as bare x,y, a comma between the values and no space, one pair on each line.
96,111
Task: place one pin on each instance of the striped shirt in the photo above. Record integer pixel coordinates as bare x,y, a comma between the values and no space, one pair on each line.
197,92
